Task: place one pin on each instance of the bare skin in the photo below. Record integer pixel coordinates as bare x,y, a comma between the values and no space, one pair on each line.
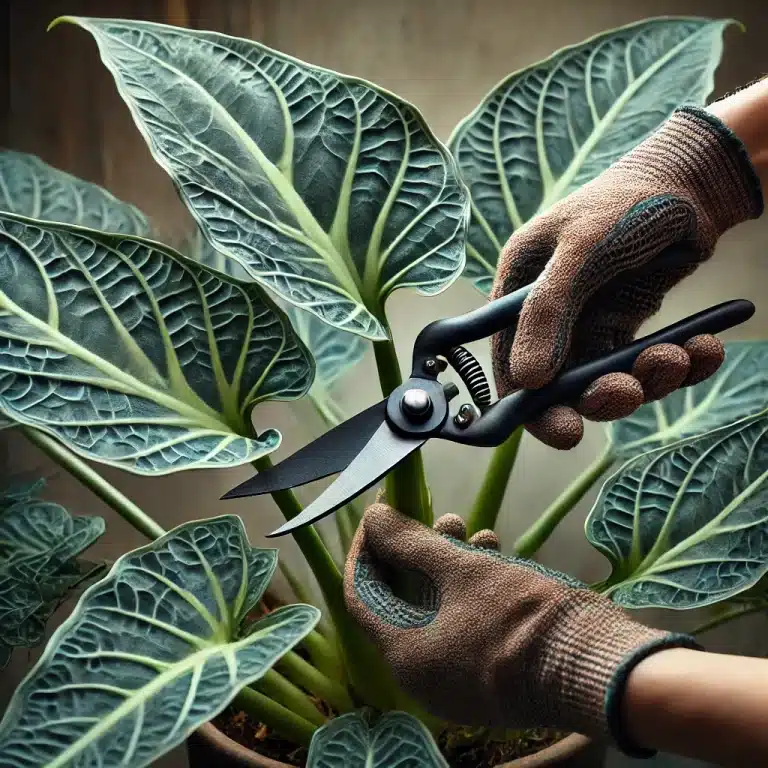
706,706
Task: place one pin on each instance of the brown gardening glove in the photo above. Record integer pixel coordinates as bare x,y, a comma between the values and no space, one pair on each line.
687,183
494,641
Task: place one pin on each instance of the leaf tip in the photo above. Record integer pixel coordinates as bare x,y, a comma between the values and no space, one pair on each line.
62,20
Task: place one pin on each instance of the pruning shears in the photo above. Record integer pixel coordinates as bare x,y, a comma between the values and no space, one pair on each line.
369,445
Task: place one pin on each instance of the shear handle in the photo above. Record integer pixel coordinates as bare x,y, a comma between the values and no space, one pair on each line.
505,415
439,337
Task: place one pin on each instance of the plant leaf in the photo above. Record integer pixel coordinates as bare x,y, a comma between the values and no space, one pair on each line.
548,129
29,187
39,544
330,191
201,250
151,652
687,525
737,390
398,740
134,356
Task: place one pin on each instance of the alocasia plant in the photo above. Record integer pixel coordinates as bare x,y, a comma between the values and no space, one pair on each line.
330,193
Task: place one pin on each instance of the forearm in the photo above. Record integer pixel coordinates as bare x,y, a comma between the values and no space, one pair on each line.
707,706
746,114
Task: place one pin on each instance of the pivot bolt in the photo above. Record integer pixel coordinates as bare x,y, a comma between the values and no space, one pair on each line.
416,404
465,416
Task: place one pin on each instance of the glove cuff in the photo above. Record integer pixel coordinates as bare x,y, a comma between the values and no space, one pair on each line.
695,152
596,648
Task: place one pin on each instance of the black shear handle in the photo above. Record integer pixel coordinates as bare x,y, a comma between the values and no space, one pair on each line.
505,415
439,337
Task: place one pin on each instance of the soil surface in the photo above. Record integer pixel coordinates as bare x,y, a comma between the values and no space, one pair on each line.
462,748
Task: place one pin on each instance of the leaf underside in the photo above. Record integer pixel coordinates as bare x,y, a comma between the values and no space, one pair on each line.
550,128
328,190
151,652
135,356
687,525
39,545
739,389
398,740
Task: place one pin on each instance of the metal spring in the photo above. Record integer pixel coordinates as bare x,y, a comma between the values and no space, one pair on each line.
472,374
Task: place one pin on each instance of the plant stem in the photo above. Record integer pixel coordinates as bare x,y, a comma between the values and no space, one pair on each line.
302,594
407,489
347,520
283,691
92,480
530,542
489,500
275,716
324,655
726,616
300,672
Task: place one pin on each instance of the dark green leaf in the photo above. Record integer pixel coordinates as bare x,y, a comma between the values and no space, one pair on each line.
135,356
687,525
39,544
398,740
551,127
329,190
151,652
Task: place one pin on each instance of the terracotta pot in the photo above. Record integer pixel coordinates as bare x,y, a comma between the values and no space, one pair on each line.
209,747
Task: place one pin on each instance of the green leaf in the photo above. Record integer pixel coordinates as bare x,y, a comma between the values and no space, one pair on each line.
330,191
737,390
29,187
546,130
134,356
398,740
687,525
39,544
151,652
201,250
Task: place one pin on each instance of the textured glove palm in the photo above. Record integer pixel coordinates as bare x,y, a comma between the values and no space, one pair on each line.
688,183
494,641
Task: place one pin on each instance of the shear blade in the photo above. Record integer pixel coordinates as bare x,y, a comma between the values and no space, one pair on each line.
329,454
384,451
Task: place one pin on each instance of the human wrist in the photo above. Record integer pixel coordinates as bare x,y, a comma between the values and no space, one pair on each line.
745,112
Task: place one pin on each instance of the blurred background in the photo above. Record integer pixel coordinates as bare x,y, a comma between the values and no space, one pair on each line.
443,55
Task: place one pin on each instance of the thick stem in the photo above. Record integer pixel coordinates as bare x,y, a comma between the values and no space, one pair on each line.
302,673
283,691
491,496
92,480
530,542
287,724
407,489
347,520
302,595
324,655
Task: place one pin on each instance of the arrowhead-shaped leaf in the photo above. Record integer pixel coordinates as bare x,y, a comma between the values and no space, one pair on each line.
687,525
151,652
739,389
551,127
397,740
329,190
134,356
29,187
39,545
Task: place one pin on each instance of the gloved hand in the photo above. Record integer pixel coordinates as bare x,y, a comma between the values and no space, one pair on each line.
687,183
494,641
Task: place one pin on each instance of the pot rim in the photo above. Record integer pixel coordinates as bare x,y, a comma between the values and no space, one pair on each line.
566,747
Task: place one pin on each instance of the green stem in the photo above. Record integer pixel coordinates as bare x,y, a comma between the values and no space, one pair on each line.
491,496
324,655
300,672
363,663
92,480
287,724
347,520
284,692
530,542
302,595
725,617
407,489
